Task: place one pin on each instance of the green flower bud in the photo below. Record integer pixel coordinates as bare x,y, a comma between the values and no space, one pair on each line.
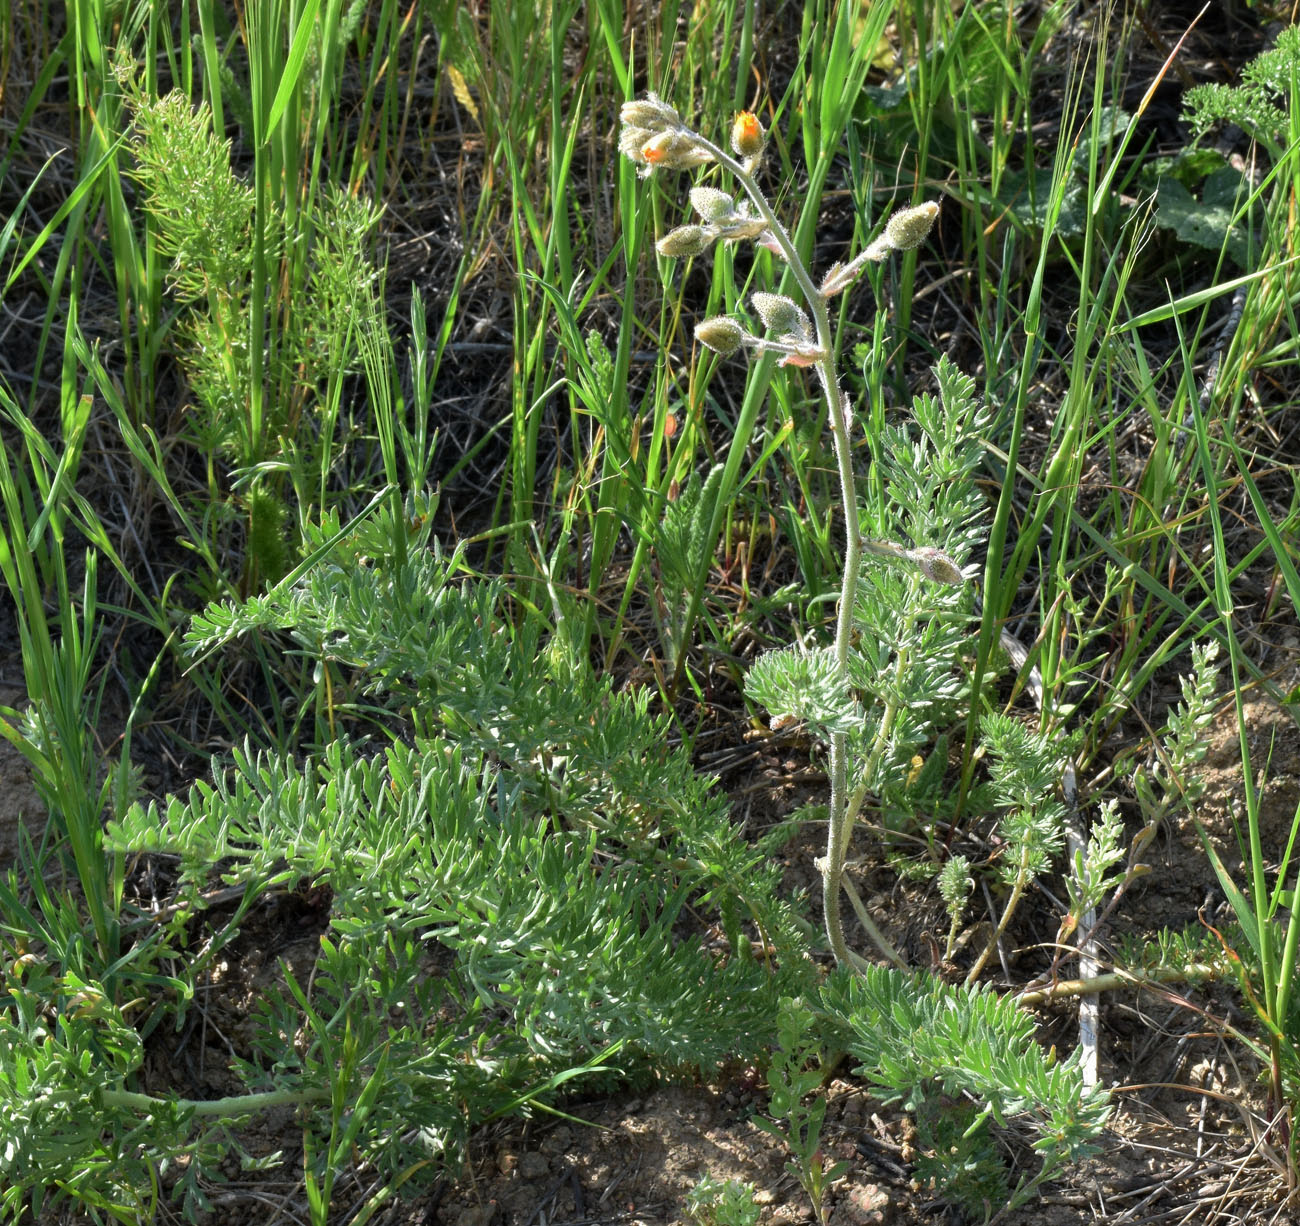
684,242
722,334
781,315
937,566
711,204
908,228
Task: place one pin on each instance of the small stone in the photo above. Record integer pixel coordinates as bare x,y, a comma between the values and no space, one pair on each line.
558,1141
533,1165
866,1205
507,1161
479,1215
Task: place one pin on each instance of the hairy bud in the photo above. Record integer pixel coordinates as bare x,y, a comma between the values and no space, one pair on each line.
671,150
631,140
836,280
722,334
711,204
747,135
651,113
803,355
684,242
908,228
937,566
743,225
781,315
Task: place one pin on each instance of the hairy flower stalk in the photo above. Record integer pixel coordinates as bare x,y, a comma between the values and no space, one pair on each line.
804,338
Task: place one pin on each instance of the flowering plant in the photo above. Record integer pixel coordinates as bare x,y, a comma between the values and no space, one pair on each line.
882,695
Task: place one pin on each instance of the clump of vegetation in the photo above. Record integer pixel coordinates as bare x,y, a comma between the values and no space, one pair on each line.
384,638
715,1203
893,678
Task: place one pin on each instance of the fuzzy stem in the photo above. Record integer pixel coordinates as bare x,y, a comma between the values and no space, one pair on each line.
234,1105
837,406
951,944
843,808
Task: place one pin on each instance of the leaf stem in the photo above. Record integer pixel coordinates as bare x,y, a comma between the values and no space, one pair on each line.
1017,891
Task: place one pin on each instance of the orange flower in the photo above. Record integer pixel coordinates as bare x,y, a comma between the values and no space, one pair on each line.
747,135
655,151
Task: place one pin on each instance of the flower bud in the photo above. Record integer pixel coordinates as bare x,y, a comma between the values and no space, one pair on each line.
804,355
722,334
834,281
650,112
907,229
684,242
937,566
632,140
711,204
669,150
742,225
781,315
747,135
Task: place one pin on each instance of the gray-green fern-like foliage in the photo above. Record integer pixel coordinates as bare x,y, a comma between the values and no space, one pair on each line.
1259,103
959,1059
531,833
904,682
970,1053
1025,766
